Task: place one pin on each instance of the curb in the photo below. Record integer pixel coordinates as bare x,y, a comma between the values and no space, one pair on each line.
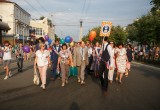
150,66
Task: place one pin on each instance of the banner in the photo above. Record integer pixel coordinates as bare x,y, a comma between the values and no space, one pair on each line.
105,29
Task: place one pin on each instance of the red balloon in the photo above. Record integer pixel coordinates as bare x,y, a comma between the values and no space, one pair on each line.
91,39
92,34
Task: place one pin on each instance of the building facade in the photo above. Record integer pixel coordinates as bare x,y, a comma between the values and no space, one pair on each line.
17,19
42,28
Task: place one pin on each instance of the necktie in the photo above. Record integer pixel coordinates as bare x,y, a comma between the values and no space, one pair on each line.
82,54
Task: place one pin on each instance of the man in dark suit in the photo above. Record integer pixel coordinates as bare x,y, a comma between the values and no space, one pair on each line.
106,60
54,58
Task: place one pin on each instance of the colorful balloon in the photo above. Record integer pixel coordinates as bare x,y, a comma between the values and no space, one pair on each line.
67,39
49,41
91,39
71,39
62,41
46,37
92,34
72,43
26,49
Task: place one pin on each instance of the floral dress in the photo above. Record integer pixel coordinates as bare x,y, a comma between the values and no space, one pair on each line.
121,60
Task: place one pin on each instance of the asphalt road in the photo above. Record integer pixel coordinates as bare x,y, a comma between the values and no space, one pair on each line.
139,91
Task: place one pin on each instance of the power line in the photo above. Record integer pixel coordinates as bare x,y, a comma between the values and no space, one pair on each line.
41,6
32,7
83,8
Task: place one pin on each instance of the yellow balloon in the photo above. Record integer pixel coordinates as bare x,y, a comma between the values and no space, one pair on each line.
72,43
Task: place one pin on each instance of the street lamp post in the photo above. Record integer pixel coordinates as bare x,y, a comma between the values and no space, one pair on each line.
23,33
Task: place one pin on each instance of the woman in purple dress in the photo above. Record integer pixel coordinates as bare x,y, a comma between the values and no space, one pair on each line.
96,58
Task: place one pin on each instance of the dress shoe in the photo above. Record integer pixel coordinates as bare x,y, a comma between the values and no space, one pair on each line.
63,84
79,80
82,82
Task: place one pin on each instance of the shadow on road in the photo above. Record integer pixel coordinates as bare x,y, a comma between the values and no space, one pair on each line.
74,106
148,72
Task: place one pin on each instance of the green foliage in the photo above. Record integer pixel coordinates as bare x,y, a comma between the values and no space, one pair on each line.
42,17
56,37
156,6
118,34
145,29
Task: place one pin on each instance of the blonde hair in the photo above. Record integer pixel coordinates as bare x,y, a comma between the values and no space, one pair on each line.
41,44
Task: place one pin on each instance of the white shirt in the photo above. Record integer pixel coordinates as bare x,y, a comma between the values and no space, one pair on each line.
42,57
112,57
57,47
89,51
7,53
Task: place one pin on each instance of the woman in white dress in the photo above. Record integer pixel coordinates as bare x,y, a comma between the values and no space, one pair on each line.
121,61
42,60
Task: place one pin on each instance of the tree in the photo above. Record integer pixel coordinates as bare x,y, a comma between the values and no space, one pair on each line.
118,34
145,29
156,5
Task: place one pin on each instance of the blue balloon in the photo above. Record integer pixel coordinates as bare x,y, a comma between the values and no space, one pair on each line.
49,41
67,39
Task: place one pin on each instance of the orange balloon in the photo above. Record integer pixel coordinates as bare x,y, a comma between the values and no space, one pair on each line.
92,34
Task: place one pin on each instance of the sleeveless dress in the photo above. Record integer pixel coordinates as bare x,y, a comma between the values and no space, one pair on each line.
121,60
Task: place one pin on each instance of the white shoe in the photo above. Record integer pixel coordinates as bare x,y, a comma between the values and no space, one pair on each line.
6,77
10,75
82,82
79,80
43,87
63,84
66,81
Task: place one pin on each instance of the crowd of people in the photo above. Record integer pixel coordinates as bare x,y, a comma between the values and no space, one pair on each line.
102,60
147,53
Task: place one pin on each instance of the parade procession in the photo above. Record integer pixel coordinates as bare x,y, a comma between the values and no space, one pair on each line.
67,55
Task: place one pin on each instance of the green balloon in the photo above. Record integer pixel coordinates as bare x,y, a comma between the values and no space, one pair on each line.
62,41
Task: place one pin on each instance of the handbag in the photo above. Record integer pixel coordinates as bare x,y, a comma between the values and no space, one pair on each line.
36,79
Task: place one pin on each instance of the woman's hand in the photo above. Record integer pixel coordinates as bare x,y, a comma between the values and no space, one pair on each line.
49,65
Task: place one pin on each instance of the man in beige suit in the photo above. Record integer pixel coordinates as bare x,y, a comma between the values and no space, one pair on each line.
81,61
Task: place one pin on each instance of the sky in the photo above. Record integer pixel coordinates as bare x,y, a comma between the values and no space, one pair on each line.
66,14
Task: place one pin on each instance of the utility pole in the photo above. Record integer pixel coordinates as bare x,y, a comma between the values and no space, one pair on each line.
23,34
53,26
80,34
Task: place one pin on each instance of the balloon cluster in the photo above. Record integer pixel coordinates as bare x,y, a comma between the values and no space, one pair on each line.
92,35
67,39
46,37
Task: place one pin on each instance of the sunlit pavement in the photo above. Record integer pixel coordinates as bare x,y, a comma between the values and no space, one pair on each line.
139,91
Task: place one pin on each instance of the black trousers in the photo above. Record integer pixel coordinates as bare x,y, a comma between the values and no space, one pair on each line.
104,81
20,63
90,59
